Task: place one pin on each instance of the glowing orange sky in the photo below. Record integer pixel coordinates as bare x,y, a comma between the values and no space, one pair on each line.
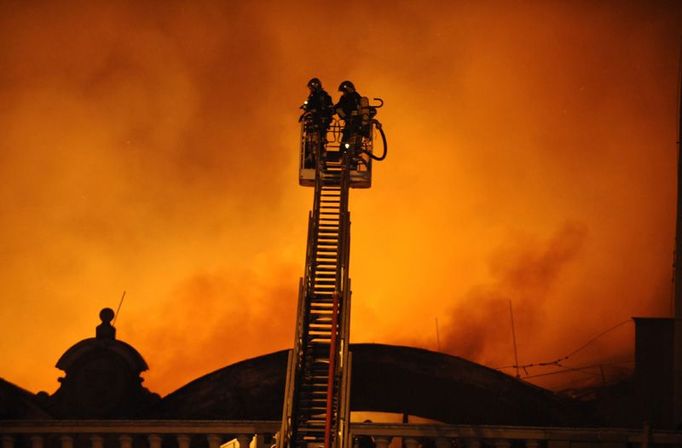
153,148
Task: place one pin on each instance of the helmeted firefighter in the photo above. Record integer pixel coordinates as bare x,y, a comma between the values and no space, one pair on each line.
348,109
317,116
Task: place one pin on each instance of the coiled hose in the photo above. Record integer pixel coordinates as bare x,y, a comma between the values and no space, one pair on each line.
383,139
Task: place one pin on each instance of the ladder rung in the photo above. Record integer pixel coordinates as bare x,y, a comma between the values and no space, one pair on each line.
320,340
322,305
314,388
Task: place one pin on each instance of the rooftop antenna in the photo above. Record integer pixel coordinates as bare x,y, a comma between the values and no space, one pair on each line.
119,307
516,353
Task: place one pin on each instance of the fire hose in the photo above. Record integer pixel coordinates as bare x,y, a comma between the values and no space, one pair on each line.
383,139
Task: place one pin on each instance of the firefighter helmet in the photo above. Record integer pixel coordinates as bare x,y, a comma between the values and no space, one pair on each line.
346,86
315,84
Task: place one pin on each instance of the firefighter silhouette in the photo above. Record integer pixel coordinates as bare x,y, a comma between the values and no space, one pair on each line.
317,116
348,109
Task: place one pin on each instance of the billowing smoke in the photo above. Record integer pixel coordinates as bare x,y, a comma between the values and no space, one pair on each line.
152,148
525,274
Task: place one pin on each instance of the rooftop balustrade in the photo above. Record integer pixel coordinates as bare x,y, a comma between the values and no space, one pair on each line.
259,434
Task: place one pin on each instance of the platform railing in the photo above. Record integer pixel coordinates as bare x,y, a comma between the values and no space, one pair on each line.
259,434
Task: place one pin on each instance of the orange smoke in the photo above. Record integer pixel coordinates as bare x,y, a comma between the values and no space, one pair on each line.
154,149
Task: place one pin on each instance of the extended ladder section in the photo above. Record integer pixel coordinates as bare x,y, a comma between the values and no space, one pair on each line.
316,410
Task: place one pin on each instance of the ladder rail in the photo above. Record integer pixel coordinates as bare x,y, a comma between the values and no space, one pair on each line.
332,372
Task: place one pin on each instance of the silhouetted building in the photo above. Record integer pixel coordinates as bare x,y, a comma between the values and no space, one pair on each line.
476,405
103,381
102,378
656,375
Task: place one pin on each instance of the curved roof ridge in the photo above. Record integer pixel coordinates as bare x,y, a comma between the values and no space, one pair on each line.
126,351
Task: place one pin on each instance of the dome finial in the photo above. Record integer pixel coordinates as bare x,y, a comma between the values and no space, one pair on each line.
105,330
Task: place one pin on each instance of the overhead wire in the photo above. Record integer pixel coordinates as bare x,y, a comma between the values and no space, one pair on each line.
557,362
567,369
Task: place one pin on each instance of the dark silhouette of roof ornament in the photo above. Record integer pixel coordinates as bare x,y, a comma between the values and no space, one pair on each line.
102,377
105,330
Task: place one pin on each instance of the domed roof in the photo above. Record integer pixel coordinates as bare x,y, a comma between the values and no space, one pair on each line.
102,378
105,339
384,378
81,349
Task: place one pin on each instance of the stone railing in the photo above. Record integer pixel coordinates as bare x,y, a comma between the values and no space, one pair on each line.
134,433
258,434
477,436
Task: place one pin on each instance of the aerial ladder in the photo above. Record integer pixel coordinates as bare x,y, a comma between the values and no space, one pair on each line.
316,409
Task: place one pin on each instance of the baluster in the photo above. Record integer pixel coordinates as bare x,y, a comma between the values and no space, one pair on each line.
7,441
443,442
183,440
214,441
154,440
125,441
244,440
382,441
67,441
258,441
36,441
411,442
96,441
